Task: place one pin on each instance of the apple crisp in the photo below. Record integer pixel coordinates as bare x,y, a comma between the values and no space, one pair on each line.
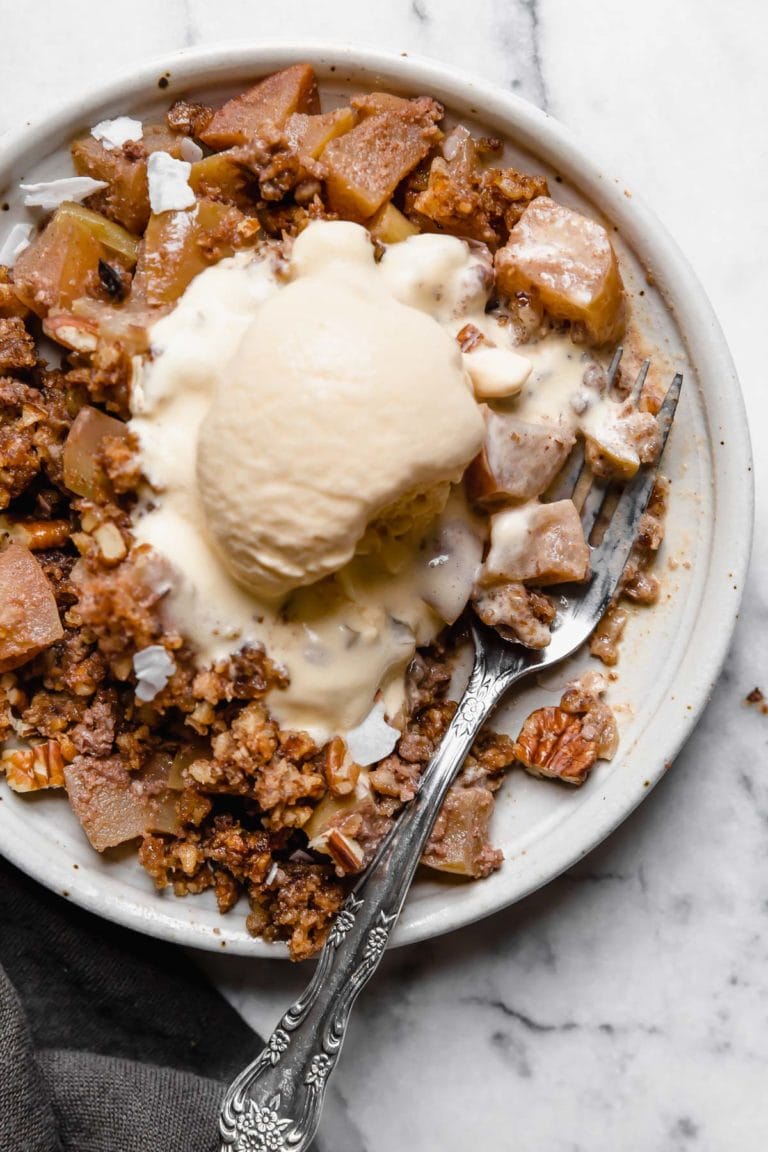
164,665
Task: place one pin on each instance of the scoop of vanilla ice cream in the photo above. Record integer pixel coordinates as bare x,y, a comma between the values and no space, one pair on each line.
341,405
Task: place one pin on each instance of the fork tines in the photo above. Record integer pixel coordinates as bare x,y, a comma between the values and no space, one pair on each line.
564,485
635,495
575,476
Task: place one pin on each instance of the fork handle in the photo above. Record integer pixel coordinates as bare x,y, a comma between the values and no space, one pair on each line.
276,1102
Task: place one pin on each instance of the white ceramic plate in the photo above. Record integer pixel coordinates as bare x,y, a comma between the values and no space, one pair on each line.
672,653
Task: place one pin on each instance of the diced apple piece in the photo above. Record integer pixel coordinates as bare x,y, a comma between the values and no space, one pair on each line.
178,245
219,177
459,843
496,373
390,226
114,805
127,199
537,544
61,264
310,134
365,166
569,261
58,266
618,442
376,103
29,618
518,460
114,238
271,101
82,471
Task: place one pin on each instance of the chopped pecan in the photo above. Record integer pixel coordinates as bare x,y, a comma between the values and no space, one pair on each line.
32,769
463,197
395,778
188,118
341,773
638,583
300,909
470,337
518,612
428,679
10,304
346,853
107,377
74,332
37,535
604,643
564,743
17,347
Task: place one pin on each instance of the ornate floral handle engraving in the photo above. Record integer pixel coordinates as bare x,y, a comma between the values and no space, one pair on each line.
275,1103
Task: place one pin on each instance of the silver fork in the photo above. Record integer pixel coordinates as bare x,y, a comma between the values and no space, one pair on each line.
275,1103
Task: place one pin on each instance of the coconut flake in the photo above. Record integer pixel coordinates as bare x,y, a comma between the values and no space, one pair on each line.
114,133
15,242
168,180
50,194
373,739
189,150
154,667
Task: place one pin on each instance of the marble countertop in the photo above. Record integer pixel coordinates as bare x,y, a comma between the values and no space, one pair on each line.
625,1006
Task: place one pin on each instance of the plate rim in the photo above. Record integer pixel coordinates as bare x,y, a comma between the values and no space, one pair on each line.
732,474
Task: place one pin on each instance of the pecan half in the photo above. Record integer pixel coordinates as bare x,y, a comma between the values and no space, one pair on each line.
563,743
32,769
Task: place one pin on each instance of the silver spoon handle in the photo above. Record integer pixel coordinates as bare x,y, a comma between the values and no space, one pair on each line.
276,1102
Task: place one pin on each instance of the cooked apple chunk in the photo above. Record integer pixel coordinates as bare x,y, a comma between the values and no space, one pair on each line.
114,805
271,101
569,261
518,460
363,167
496,373
58,266
83,472
615,448
220,177
460,841
309,135
126,200
538,544
178,245
29,618
117,240
390,226
61,264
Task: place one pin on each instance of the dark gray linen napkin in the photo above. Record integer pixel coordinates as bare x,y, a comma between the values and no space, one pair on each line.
109,1041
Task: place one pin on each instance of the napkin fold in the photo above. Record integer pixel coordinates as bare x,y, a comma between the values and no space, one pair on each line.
109,1041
